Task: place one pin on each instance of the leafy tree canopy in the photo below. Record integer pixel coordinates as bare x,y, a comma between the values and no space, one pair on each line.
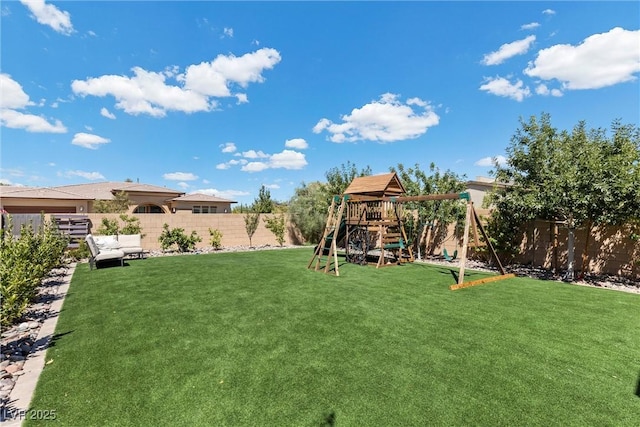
339,178
582,177
119,204
263,203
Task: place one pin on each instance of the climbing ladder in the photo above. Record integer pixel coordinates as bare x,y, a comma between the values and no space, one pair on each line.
330,236
393,238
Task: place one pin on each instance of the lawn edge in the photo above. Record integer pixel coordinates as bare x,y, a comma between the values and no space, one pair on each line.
20,398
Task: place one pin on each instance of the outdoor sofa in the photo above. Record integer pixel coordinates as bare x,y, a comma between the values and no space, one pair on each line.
130,244
102,254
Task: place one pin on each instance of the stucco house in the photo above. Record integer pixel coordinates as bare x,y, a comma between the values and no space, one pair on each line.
80,199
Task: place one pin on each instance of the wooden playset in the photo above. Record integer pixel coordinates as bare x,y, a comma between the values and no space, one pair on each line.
369,218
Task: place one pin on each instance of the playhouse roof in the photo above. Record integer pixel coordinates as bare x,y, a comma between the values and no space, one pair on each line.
387,184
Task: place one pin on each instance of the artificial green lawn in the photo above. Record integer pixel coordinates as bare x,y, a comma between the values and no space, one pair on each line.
257,339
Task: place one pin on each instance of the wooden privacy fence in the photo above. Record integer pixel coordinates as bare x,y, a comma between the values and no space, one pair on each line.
20,220
75,227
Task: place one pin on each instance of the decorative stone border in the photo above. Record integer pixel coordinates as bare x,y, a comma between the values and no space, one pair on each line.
24,347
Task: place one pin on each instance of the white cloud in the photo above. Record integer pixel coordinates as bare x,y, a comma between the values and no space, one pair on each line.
530,26
543,90
242,98
272,186
50,15
91,176
233,162
183,185
601,60
148,92
214,78
253,154
225,194
108,114
548,12
88,140
228,32
286,159
500,86
180,176
489,161
11,94
228,147
29,122
145,93
385,120
509,50
297,143
255,167
13,98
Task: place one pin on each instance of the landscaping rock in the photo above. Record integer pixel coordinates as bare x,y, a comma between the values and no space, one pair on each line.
13,368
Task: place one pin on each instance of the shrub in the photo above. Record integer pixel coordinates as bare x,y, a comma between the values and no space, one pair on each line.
26,260
215,238
176,236
131,225
111,227
276,225
81,252
108,227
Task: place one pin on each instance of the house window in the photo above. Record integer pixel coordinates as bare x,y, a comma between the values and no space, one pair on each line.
153,209
204,209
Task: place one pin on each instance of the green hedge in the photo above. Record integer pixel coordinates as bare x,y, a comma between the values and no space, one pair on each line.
26,261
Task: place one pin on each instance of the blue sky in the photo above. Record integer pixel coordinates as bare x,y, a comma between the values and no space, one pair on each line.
223,97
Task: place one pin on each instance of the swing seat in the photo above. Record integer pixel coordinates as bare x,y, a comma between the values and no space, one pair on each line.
448,257
399,245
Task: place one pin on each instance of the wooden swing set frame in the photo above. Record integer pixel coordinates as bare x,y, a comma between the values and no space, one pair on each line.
383,216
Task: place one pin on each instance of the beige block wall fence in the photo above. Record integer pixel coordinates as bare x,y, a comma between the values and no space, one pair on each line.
231,226
611,250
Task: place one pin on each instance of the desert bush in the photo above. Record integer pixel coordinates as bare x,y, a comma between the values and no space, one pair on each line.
276,224
176,236
108,227
215,238
131,225
81,252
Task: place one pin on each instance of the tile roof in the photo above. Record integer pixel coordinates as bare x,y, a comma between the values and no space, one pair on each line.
201,197
39,193
92,191
105,190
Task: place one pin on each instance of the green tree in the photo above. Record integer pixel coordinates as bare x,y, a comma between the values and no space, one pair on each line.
119,204
108,227
308,209
339,178
131,225
263,203
580,178
251,222
433,217
276,224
